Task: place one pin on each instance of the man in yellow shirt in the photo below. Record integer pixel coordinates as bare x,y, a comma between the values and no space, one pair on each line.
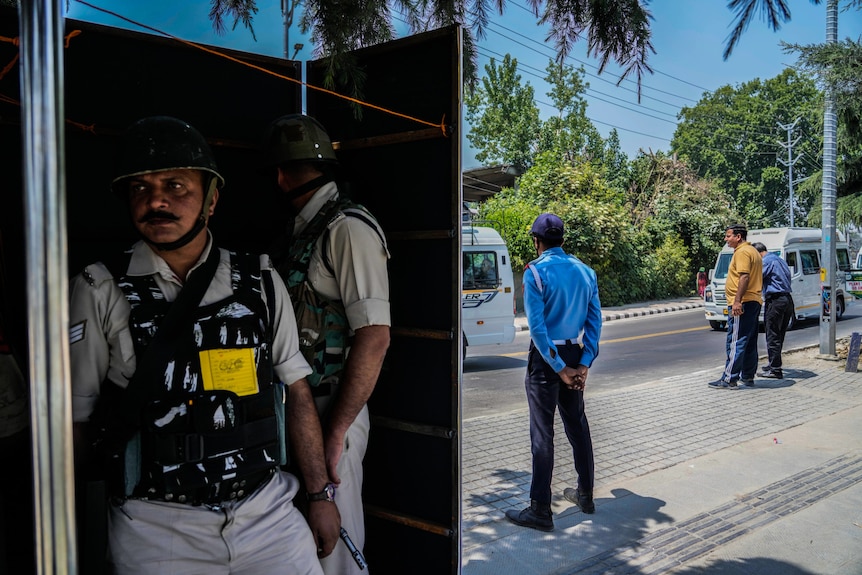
743,288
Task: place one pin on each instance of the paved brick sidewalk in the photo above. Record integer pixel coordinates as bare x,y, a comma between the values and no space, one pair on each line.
635,431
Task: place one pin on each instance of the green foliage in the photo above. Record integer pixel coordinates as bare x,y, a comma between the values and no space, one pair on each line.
599,227
673,268
667,199
732,136
838,68
569,134
504,119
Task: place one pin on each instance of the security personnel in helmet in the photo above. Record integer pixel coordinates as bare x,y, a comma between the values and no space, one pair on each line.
334,262
182,393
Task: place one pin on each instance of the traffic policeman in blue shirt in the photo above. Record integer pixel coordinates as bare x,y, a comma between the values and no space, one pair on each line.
561,300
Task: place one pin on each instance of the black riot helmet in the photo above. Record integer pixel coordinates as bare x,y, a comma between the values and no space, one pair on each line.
162,143
299,139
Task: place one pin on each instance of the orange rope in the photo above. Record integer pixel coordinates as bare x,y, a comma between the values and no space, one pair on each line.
441,125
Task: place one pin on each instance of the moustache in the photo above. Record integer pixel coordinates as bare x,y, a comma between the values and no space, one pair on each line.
156,215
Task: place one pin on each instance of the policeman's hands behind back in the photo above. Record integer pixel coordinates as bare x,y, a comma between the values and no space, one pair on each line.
575,378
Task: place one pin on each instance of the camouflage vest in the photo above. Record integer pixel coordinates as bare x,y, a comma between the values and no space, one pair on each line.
217,413
324,334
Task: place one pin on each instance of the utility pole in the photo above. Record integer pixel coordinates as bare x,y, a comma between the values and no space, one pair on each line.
287,9
830,149
790,160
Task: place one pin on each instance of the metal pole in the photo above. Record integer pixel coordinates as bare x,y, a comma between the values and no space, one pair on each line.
42,112
830,148
287,18
790,161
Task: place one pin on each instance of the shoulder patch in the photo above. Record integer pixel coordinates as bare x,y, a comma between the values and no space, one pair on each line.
77,332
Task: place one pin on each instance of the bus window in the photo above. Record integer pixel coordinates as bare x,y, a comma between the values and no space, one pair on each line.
790,257
810,264
843,258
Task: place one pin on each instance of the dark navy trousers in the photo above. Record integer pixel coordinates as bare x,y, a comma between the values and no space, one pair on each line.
742,343
776,317
546,392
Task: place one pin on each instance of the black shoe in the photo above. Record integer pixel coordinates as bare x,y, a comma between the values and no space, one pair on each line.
582,499
747,382
772,373
721,384
536,516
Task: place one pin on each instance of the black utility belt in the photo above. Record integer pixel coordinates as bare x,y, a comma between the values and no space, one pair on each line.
773,296
216,494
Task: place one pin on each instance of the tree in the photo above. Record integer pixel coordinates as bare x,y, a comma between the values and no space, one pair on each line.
732,137
668,200
599,228
503,117
615,30
616,162
838,67
569,133
775,12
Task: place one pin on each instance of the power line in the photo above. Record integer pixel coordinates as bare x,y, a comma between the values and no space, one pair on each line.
526,69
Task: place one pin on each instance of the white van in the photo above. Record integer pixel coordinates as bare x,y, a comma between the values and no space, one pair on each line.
487,288
800,248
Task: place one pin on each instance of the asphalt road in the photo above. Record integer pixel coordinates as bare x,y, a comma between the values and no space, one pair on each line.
631,351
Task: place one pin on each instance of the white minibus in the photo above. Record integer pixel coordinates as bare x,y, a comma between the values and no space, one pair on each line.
487,288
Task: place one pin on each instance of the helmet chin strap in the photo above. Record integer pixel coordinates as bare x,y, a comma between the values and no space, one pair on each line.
303,189
199,225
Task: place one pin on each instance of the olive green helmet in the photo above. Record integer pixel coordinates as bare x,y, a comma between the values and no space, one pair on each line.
298,138
161,143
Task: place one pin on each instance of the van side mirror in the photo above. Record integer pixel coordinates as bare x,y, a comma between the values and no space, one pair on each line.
712,271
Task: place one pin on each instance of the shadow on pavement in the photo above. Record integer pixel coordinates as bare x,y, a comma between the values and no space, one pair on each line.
774,383
476,363
759,565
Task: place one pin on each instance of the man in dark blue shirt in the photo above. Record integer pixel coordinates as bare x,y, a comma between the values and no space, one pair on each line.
778,309
561,300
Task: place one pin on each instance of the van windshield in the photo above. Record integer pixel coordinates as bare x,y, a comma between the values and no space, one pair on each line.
721,266
480,270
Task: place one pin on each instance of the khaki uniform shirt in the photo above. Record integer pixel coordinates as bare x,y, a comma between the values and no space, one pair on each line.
100,341
358,259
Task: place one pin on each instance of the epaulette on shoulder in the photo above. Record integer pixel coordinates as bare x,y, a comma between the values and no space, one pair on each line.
96,274
108,268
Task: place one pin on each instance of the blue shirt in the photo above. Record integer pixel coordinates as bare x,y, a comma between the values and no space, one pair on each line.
776,275
562,304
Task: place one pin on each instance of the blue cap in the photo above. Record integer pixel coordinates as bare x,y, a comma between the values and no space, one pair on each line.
548,226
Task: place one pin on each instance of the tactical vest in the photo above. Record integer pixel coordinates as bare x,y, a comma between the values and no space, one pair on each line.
324,333
217,414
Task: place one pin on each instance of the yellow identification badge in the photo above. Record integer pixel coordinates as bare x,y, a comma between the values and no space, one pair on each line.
229,369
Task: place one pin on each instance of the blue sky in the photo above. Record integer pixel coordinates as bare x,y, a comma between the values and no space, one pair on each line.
688,35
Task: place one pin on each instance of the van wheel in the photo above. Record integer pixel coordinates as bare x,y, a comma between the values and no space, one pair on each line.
717,325
839,307
463,347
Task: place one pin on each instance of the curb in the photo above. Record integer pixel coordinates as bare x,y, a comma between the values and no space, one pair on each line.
651,311
521,322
